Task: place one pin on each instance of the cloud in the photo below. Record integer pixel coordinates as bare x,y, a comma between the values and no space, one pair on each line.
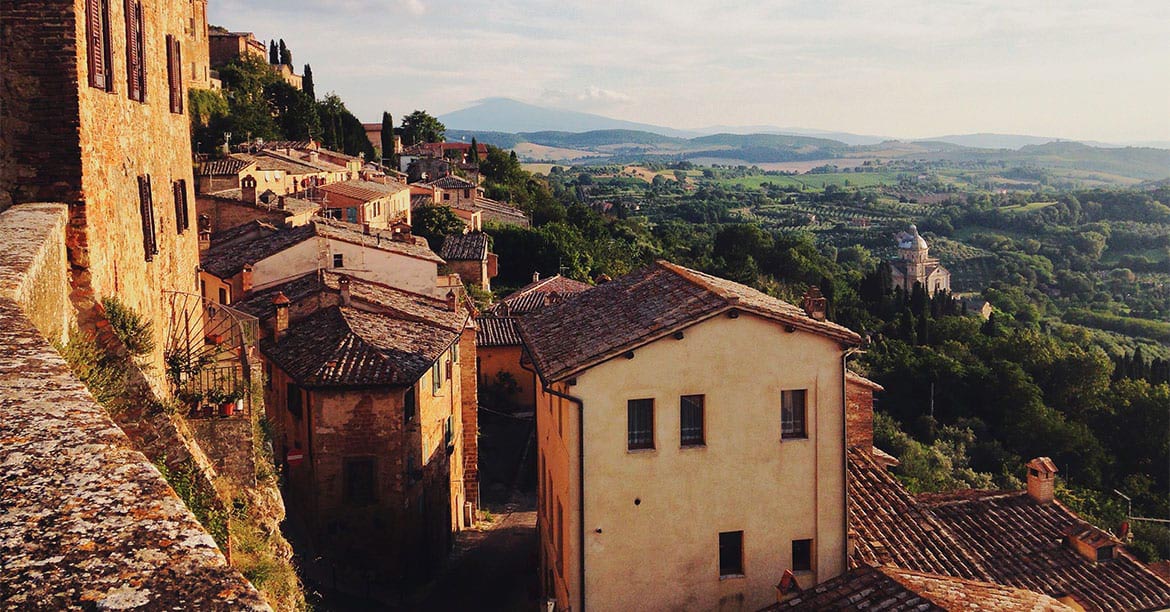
594,93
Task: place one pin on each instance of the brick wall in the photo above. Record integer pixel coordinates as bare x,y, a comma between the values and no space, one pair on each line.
469,375
859,412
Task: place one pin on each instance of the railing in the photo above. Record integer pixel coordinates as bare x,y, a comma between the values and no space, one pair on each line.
209,353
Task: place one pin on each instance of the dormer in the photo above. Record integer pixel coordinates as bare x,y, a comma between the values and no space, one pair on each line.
1041,479
1089,542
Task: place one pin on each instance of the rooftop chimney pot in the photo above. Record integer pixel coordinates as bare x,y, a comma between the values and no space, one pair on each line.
343,285
536,276
280,325
815,305
452,301
1041,479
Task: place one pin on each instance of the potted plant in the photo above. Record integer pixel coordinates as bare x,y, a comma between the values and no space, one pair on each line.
227,406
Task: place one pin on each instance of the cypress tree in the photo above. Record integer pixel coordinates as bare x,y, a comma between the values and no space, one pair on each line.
307,83
285,55
474,157
387,135
273,54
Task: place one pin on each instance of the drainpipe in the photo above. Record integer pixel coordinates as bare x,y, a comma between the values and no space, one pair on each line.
580,474
849,352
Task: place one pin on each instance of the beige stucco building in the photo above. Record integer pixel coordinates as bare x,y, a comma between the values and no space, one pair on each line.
915,265
691,443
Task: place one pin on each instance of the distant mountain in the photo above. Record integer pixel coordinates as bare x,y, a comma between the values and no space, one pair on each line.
507,115
992,141
845,137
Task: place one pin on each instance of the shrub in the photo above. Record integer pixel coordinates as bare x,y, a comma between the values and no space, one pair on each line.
135,332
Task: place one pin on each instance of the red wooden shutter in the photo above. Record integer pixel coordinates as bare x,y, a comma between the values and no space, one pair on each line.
135,51
182,220
146,210
96,49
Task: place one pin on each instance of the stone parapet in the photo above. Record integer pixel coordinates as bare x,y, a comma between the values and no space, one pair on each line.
86,521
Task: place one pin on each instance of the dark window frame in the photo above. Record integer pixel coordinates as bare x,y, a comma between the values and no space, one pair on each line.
175,73
794,414
731,554
294,406
692,421
409,405
339,260
359,477
802,555
182,208
640,424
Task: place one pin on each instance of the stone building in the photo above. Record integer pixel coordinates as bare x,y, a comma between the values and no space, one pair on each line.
914,265
373,204
113,144
198,50
691,443
469,255
226,46
366,393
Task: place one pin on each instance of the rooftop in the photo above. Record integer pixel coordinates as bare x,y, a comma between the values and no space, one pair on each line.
493,210
364,191
230,165
595,325
228,259
451,182
1005,537
472,246
539,293
895,590
497,331
386,337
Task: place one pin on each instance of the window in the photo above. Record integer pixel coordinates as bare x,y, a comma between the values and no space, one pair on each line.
135,52
182,217
446,196
223,295
293,397
339,260
455,352
351,215
436,377
358,475
792,413
449,430
801,555
467,193
97,33
146,211
640,414
408,406
690,420
560,527
731,553
175,74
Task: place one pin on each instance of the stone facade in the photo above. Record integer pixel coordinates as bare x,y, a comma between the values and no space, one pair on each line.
228,441
197,50
468,372
91,146
859,412
914,265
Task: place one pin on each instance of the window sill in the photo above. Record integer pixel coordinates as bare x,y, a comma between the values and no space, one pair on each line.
804,438
640,451
723,577
697,446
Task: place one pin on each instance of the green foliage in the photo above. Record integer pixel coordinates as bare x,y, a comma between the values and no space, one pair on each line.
435,223
103,374
387,135
134,331
341,130
307,83
206,104
942,465
420,126
199,497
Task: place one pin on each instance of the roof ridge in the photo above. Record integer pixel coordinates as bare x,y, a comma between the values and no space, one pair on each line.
692,276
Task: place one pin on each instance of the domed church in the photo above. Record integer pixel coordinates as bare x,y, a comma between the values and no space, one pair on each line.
915,265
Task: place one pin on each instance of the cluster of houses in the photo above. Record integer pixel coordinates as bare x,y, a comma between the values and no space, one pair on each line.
699,444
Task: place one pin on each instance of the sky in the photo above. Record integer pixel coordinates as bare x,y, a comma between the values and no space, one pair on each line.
1090,70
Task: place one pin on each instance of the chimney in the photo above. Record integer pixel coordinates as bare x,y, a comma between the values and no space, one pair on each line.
246,278
602,279
787,588
859,411
280,202
814,303
366,228
248,189
1041,478
452,301
313,157
280,325
536,276
343,284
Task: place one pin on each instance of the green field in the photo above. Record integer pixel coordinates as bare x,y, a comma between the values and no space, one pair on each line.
814,182
1026,208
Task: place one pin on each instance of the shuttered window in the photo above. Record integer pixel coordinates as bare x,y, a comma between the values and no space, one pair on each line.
146,210
97,29
175,73
135,52
182,217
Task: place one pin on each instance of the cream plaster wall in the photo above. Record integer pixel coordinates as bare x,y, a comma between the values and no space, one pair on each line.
663,553
389,268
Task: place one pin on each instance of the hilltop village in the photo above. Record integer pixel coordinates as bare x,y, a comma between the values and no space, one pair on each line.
236,375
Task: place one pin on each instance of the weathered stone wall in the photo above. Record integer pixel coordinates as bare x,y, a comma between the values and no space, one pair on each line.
40,153
468,364
33,265
85,519
228,442
226,214
858,414
196,49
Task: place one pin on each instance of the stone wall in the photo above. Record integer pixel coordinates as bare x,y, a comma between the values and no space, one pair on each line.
228,442
468,372
859,412
85,519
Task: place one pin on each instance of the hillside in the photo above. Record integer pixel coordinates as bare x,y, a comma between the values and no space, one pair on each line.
507,115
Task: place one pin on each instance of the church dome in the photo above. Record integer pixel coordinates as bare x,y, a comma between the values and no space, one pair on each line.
912,240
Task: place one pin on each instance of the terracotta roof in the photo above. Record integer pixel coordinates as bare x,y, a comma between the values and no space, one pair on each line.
472,246
893,529
894,590
386,337
535,295
993,536
364,191
854,377
419,200
1021,543
226,260
226,166
495,211
451,182
595,325
497,331
265,161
